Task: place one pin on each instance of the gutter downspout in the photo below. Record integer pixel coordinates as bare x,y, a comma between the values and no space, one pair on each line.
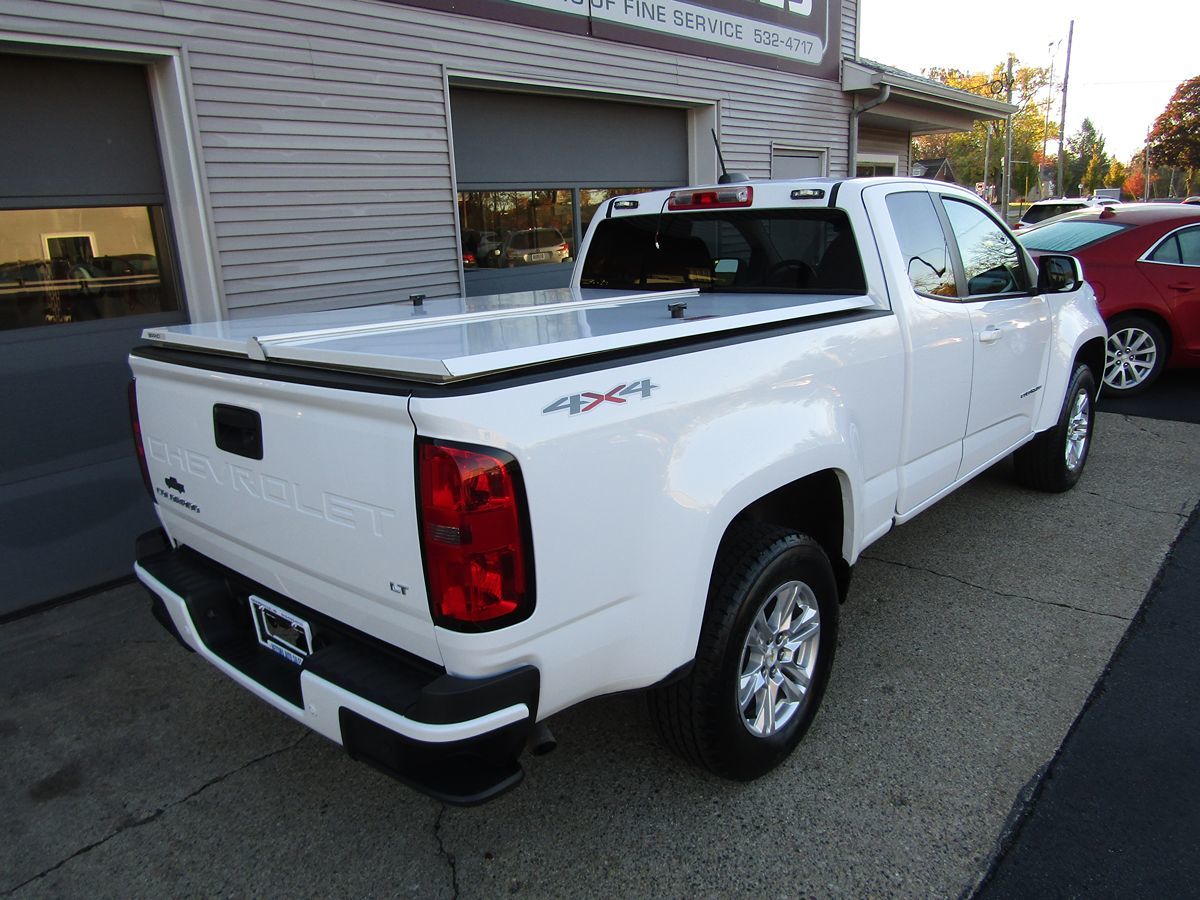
885,91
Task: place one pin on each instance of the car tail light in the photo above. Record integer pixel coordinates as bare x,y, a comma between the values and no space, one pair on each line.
564,248
469,259
718,198
475,536
137,438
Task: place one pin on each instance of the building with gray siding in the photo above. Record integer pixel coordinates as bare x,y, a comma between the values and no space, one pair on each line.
193,159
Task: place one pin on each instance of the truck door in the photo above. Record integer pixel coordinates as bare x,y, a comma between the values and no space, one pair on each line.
938,340
1010,325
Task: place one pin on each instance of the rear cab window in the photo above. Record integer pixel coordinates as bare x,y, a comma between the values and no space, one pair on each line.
767,250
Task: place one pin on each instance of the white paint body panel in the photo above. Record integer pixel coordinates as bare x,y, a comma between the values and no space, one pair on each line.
628,503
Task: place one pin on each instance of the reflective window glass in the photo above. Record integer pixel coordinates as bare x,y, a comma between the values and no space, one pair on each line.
923,243
991,261
504,229
59,266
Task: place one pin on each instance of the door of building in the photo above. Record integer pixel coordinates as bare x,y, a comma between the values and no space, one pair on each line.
85,265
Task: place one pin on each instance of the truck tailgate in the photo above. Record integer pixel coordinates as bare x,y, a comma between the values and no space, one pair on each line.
307,490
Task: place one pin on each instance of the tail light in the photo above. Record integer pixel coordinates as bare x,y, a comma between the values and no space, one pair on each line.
475,535
137,438
564,248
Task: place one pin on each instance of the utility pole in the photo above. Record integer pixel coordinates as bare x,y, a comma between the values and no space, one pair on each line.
1053,48
987,161
1146,179
1008,81
1062,128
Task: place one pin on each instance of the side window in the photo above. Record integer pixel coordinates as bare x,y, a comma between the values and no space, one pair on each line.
1189,246
922,243
1181,248
991,262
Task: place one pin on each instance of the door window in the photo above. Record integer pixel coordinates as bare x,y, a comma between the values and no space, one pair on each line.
1181,248
991,261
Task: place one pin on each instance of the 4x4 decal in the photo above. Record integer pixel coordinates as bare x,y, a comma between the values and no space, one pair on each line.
586,401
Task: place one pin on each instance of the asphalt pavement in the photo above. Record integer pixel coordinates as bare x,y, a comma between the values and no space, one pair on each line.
1117,812
972,640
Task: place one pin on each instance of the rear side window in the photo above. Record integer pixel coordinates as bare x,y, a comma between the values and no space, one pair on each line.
728,250
922,243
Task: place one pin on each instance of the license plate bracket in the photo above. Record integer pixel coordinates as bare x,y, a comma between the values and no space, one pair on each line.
280,631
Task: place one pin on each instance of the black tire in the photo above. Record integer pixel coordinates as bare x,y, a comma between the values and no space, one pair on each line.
701,717
1054,460
1135,355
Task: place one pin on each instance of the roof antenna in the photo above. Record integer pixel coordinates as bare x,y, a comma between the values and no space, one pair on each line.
727,177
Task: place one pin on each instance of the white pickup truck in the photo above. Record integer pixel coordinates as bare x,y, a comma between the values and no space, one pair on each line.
422,528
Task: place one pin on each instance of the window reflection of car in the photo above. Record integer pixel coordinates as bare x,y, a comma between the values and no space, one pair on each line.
488,250
535,246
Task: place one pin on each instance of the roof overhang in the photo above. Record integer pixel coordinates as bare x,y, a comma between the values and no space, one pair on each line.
915,104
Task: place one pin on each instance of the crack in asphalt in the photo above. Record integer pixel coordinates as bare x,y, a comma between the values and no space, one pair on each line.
1160,512
1137,425
997,593
157,814
445,854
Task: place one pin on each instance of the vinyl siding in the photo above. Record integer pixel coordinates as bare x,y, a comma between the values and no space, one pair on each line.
325,139
871,140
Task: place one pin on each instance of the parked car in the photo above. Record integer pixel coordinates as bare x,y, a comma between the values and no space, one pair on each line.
1143,261
535,246
1048,209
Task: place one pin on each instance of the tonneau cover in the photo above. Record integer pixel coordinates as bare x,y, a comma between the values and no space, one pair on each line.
459,338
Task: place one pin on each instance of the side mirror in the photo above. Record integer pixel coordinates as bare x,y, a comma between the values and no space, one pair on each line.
1058,274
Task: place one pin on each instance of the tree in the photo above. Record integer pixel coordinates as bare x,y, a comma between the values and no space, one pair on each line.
966,150
1175,137
1135,178
1093,175
1082,147
1115,177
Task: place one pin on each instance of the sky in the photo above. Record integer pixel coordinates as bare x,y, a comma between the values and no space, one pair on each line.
1122,72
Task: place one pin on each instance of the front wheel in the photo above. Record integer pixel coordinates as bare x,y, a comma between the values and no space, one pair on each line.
1054,460
765,651
1135,355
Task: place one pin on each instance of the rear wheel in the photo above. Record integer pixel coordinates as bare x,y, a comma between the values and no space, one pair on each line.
1054,460
1135,354
765,651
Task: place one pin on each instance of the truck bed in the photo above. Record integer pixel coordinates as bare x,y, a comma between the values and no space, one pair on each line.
445,340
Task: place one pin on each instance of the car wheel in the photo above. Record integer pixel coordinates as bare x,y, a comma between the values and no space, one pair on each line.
1135,355
763,660
1053,461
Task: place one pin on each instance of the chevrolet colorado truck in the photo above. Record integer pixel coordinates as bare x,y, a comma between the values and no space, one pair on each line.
422,528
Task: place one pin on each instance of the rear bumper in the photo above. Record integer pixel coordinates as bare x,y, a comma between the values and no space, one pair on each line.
457,739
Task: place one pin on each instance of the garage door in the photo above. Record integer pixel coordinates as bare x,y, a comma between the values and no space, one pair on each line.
532,170
85,264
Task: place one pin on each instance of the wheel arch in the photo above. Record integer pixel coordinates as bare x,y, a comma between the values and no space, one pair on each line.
818,505
1092,355
1154,316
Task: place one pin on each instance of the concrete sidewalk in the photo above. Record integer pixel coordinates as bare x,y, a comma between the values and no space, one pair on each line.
970,642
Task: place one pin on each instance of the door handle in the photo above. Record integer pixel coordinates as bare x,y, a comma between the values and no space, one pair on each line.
991,334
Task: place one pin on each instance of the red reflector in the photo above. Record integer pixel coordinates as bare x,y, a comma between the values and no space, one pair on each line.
477,558
712,198
137,438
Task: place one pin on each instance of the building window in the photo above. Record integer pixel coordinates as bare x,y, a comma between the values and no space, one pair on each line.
508,229
65,265
874,170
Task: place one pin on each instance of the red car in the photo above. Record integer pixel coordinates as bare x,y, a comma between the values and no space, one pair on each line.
1143,261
